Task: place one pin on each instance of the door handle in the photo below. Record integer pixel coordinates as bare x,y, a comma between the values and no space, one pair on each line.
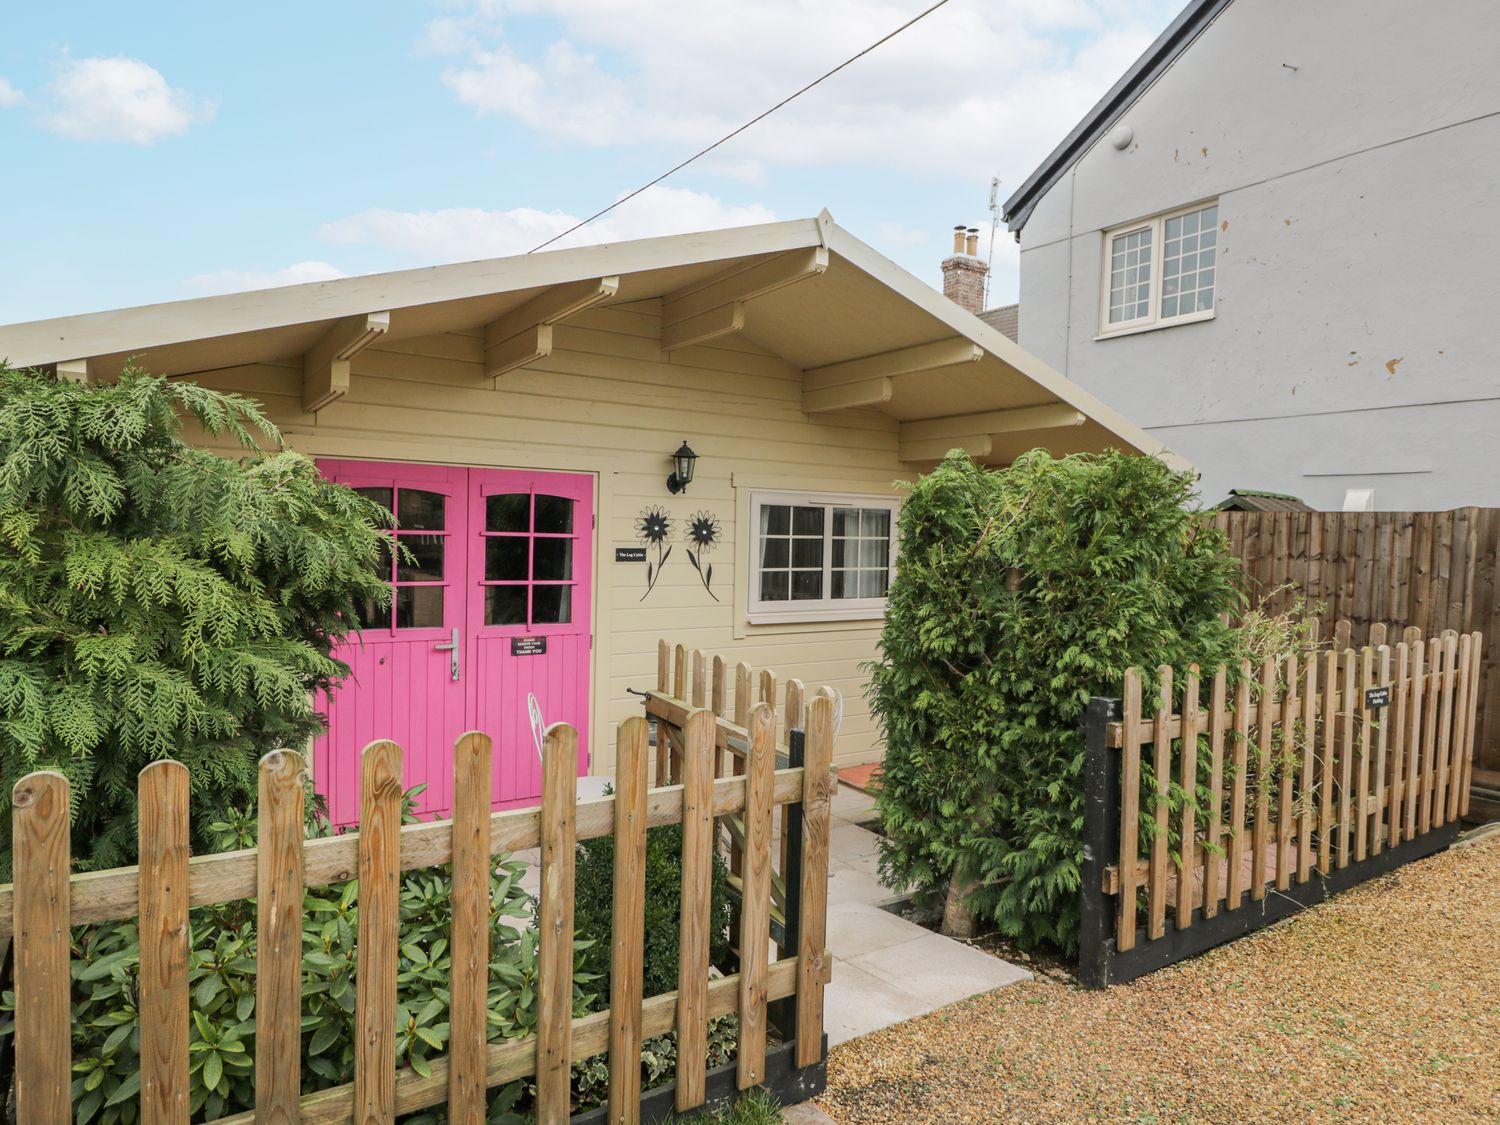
451,648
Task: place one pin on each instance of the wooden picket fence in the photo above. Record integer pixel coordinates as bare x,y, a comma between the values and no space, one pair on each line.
688,679
1307,775
45,901
1432,570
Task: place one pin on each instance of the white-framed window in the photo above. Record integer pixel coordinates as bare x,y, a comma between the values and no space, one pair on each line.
1159,271
820,557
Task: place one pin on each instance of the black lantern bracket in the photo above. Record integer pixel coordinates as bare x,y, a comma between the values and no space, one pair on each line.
683,462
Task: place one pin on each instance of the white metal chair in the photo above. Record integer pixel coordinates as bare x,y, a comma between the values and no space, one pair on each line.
589,786
538,724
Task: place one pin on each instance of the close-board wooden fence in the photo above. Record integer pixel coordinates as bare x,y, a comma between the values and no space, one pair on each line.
1301,777
38,910
1433,571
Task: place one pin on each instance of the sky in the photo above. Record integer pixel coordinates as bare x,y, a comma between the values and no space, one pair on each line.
157,151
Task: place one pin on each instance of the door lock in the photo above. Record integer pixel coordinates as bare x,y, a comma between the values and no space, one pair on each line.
452,649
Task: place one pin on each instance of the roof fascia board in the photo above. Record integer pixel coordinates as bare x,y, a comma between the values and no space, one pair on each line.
147,326
1144,72
1000,346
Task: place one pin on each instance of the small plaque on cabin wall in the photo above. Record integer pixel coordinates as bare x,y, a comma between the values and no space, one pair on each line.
1377,697
528,646
630,554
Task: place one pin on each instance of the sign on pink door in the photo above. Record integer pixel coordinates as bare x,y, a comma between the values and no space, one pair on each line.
491,604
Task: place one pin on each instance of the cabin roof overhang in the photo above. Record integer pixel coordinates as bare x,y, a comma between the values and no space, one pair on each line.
866,334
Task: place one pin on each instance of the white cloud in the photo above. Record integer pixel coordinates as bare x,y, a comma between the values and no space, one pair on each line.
467,233
9,95
237,281
120,99
986,87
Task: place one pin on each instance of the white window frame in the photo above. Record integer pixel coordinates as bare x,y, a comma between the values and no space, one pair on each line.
1157,225
825,608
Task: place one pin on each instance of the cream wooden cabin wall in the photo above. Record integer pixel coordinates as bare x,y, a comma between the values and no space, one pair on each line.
609,402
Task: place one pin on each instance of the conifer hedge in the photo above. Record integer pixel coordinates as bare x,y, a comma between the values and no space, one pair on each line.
158,600
1019,594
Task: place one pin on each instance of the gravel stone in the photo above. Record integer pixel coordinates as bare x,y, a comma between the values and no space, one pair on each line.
1381,1005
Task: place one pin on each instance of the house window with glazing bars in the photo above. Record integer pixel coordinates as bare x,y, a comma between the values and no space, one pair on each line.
817,557
1160,271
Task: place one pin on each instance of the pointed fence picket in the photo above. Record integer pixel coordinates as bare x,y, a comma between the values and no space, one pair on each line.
1325,770
37,911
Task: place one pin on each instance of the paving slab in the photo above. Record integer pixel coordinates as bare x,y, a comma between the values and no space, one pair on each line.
858,927
856,1003
886,968
940,970
847,884
851,804
806,1114
845,839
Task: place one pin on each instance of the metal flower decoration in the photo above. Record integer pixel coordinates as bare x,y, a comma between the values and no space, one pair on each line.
653,527
702,535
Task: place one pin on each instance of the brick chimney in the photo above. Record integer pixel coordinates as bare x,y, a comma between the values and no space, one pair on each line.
964,273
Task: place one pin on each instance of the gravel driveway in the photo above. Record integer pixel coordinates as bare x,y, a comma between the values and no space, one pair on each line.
1382,1005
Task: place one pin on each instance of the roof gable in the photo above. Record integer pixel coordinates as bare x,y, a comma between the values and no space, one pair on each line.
1157,58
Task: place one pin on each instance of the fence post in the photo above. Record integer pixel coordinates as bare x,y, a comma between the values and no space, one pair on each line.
755,919
813,965
377,961
279,881
784,1012
40,838
554,1003
163,912
628,923
693,937
469,929
1101,840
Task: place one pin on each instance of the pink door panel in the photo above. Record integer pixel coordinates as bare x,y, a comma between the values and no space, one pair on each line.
533,554
492,602
403,687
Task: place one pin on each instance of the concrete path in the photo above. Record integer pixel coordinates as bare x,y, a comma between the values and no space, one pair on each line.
887,970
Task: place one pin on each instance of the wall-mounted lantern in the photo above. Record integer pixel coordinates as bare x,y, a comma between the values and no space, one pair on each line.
682,476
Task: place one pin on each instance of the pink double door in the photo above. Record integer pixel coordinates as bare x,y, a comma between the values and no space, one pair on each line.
491,604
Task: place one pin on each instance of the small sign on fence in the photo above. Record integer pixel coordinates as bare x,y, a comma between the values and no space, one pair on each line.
1377,697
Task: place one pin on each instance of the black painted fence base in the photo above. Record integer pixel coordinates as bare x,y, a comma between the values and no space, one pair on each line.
1108,966
785,1081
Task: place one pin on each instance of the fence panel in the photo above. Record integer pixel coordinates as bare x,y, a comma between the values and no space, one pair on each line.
1432,571
38,911
1319,782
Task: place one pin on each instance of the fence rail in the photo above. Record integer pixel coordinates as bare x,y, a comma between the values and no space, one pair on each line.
39,909
1305,775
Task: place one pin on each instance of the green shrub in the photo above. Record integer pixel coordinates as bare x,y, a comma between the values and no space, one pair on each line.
159,600
594,904
1018,595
